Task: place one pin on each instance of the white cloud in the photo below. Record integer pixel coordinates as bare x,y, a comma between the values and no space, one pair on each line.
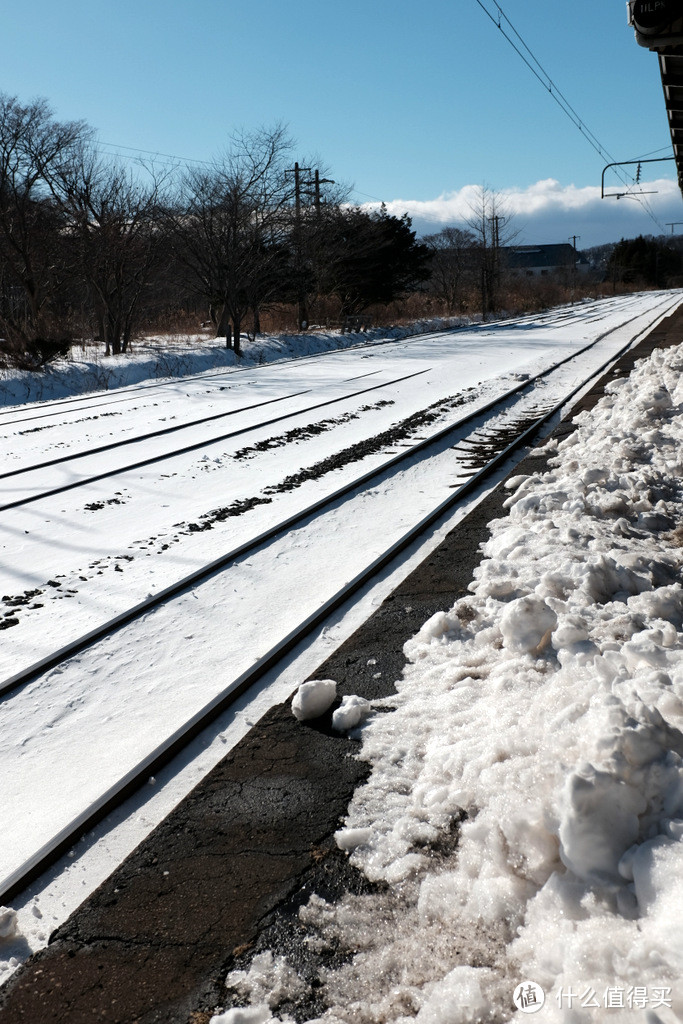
548,211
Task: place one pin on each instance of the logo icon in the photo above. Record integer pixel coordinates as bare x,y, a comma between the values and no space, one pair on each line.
528,997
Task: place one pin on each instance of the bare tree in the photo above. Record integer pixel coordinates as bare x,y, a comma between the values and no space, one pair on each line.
490,223
229,225
452,265
34,251
113,216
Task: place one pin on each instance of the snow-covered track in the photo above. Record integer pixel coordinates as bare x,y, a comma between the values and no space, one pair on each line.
531,420
32,496
11,417
19,876
183,450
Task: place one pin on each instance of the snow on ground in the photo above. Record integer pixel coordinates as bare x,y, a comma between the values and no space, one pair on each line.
467,668
88,369
106,546
525,807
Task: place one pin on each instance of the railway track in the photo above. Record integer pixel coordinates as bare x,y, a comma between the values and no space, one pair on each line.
365,480
72,458
183,450
85,403
518,424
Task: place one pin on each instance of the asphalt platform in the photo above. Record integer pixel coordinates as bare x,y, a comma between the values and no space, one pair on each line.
223,876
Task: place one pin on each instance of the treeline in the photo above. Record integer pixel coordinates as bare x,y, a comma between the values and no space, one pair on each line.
647,261
90,248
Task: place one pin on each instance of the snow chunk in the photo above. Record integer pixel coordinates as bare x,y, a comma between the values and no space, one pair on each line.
243,1015
313,698
352,712
351,838
599,823
658,883
268,982
461,997
9,923
527,623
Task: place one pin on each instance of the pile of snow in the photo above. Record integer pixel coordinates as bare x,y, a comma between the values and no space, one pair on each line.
547,707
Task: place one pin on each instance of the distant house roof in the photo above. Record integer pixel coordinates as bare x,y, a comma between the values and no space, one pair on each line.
523,257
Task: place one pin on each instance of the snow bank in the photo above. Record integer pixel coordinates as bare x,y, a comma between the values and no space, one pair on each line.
546,710
172,356
549,706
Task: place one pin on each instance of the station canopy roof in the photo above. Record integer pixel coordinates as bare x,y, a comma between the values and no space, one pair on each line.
658,26
671,68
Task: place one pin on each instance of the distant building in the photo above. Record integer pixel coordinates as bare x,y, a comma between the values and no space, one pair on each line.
539,260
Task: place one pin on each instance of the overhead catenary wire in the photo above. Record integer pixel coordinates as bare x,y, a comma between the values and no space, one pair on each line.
542,76
532,63
137,155
653,152
152,154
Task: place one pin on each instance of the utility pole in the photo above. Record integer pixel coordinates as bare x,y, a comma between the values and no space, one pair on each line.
495,261
673,224
302,187
302,312
496,231
572,239
317,183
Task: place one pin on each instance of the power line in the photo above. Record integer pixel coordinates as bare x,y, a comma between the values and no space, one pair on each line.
546,81
550,86
187,160
653,152
367,195
153,154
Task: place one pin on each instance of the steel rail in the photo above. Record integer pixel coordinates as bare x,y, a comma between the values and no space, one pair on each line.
227,372
176,427
199,444
91,637
140,389
121,443
49,852
111,445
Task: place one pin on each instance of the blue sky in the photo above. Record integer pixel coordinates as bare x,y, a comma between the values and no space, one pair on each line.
411,103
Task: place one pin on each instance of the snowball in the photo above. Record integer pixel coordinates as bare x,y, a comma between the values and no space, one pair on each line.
9,923
312,699
243,1015
351,713
526,622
